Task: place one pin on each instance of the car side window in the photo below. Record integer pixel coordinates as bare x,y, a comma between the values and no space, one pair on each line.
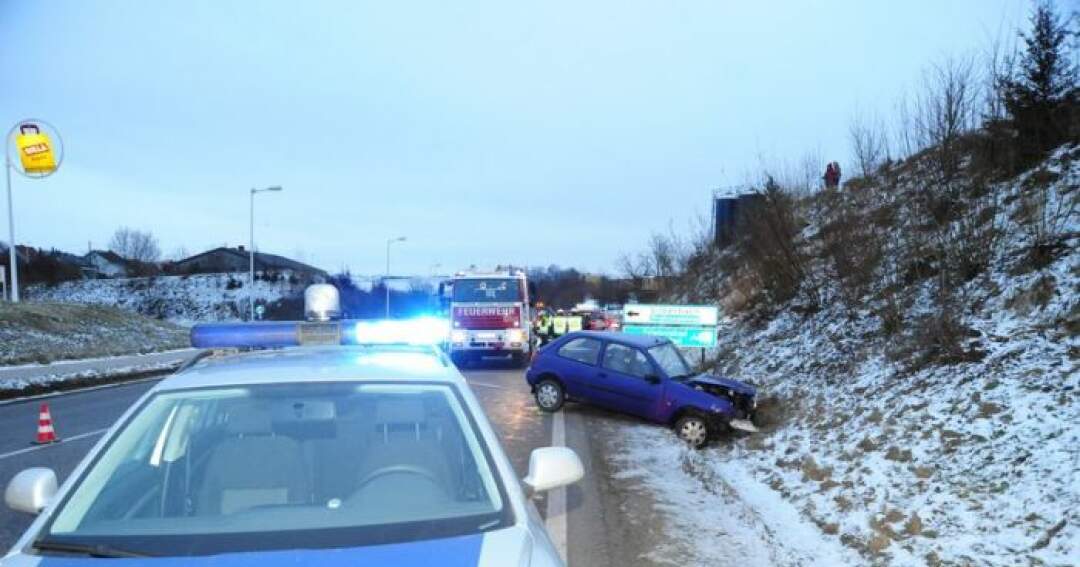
582,349
627,360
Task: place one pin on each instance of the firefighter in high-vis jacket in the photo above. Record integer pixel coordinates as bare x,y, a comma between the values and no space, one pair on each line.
542,325
564,323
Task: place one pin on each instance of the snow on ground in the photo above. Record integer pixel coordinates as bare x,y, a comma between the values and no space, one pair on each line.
47,332
964,464
972,463
180,299
717,512
88,371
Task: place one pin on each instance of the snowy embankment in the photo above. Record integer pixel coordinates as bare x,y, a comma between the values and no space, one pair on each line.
31,379
901,461
180,299
717,512
44,333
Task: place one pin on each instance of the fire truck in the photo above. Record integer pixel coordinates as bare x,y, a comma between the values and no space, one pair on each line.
489,316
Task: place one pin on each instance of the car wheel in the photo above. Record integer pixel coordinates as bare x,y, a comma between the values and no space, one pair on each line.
693,430
550,395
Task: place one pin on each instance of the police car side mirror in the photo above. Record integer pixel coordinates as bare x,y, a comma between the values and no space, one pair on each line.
552,467
31,490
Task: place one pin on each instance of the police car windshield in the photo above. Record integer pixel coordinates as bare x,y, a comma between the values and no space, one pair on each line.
284,466
670,360
503,290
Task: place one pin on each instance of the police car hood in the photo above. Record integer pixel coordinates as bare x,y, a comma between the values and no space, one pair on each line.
735,385
508,547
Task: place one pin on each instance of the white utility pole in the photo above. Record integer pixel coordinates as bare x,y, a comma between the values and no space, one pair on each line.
251,252
13,257
386,280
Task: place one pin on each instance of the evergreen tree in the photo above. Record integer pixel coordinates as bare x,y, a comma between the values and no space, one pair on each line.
1044,80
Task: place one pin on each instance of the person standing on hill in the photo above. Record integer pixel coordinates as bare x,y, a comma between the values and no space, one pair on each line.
830,176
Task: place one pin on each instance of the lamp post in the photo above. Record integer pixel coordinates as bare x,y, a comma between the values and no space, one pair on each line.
251,251
386,280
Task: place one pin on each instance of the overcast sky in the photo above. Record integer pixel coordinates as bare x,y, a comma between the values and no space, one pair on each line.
554,132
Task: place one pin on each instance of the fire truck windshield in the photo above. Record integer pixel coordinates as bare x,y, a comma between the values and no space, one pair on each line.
485,290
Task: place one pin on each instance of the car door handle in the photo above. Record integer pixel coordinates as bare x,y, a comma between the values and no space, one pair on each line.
602,374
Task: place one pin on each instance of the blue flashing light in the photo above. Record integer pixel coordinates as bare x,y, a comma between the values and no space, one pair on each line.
245,335
418,331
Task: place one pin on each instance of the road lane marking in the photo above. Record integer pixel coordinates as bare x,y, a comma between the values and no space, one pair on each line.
62,442
556,500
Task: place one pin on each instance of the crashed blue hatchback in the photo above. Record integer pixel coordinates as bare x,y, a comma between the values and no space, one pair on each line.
643,376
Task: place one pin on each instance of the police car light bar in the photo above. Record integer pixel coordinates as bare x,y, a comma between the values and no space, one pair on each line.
420,331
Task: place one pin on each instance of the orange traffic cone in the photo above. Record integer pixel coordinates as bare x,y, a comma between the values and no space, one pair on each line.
45,432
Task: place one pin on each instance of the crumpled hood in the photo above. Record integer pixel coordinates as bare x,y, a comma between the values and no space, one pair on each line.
735,385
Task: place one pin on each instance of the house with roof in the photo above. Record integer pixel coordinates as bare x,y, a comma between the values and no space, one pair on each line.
226,260
106,264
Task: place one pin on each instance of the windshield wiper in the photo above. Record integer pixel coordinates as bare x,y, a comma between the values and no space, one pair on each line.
92,550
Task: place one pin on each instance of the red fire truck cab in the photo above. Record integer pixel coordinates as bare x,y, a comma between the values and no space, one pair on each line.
489,317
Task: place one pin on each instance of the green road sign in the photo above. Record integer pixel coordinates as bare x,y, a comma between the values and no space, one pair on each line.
691,315
684,336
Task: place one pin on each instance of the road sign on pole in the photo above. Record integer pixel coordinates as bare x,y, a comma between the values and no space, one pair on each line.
688,326
40,153
701,315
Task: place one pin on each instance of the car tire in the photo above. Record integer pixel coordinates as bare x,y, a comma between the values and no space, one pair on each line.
693,429
550,395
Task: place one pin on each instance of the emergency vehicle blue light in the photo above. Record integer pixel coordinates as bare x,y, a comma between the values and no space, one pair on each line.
419,331
245,335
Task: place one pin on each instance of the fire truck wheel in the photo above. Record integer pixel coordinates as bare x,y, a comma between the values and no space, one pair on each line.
519,360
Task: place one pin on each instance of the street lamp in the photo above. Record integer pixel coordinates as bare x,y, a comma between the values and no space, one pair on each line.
386,280
251,251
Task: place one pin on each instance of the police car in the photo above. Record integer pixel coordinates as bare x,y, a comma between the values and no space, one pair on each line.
352,453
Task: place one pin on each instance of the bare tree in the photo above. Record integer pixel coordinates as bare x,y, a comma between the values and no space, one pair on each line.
869,142
945,111
136,245
906,134
182,252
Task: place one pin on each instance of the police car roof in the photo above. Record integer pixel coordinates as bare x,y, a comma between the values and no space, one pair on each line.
639,341
317,364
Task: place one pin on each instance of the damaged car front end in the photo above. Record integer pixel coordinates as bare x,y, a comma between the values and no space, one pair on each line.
741,398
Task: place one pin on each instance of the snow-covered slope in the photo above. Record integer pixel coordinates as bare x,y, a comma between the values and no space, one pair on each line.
181,299
44,332
969,463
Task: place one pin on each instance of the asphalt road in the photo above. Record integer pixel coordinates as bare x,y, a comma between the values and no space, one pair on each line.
595,530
